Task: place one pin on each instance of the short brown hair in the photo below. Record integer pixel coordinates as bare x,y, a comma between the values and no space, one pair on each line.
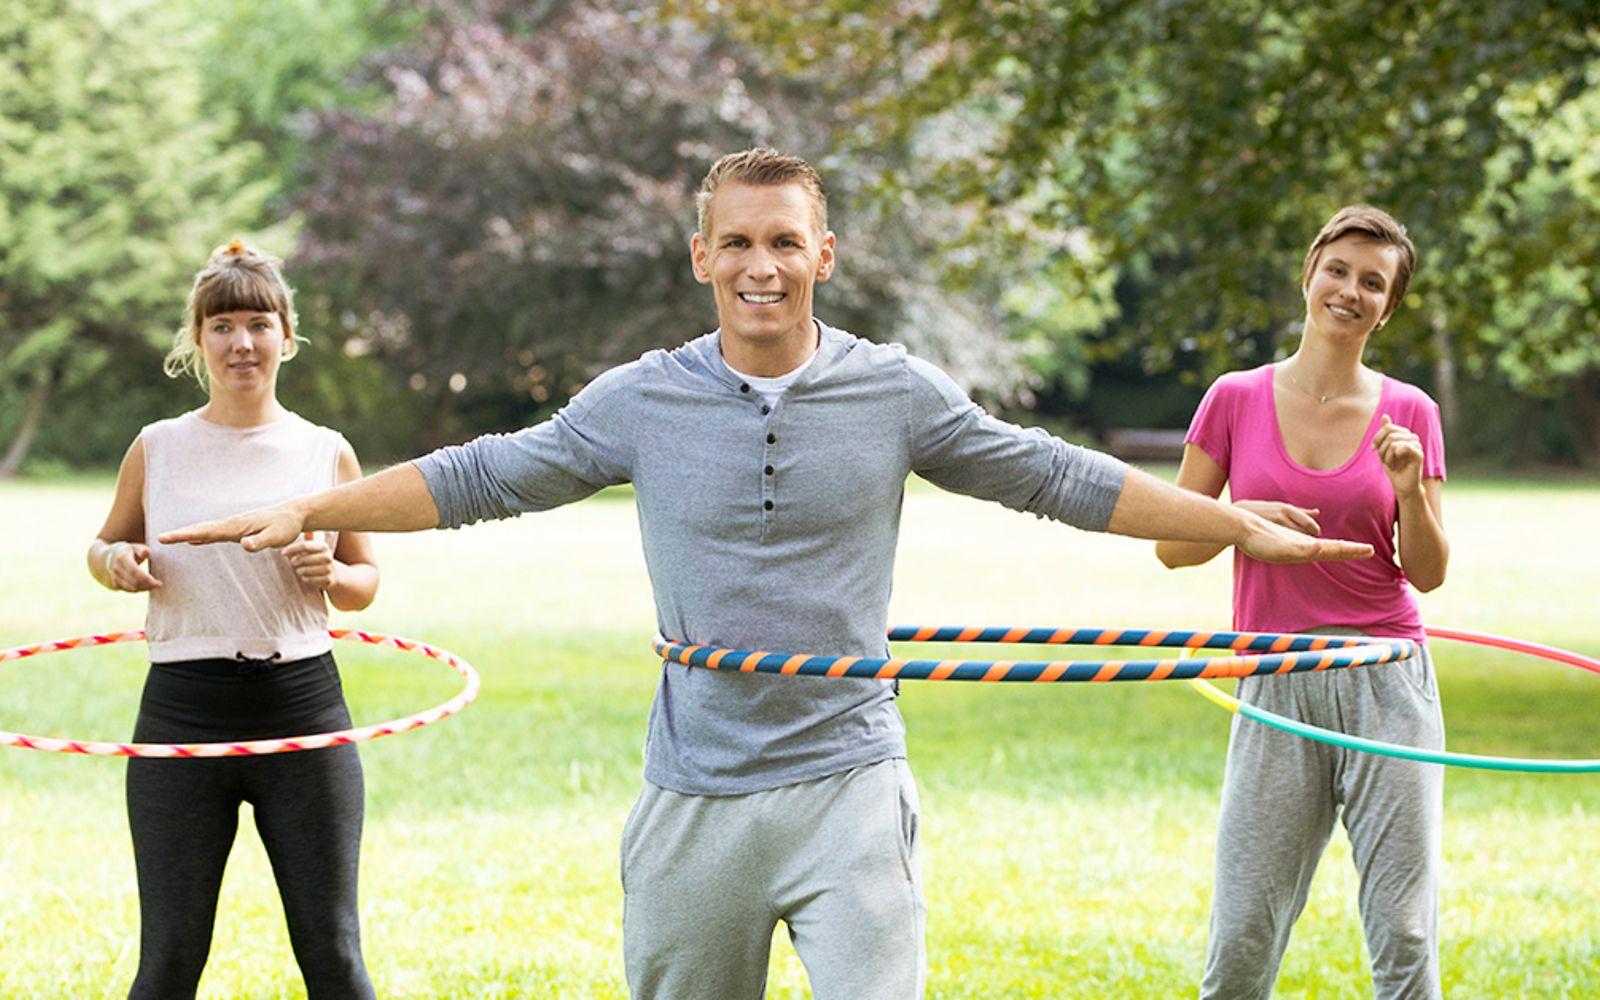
1380,227
237,278
761,166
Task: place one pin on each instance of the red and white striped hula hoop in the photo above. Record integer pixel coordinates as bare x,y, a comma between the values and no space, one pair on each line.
247,748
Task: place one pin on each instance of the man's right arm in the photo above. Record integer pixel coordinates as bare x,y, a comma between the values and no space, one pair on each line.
396,499
582,449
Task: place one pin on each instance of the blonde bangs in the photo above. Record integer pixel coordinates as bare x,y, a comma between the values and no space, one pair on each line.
237,289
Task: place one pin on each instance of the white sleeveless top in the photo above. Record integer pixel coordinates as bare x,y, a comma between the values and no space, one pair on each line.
219,600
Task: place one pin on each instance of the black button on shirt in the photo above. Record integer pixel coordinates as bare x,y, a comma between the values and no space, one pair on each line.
768,470
772,439
767,505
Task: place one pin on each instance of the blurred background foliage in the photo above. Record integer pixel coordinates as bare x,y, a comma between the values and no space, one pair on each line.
1083,210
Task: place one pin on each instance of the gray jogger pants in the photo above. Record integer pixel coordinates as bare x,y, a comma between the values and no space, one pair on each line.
1280,797
705,880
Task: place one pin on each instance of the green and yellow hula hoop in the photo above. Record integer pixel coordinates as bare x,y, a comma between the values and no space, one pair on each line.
1446,757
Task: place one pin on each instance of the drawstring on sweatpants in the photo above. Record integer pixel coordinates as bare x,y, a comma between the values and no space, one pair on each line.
250,666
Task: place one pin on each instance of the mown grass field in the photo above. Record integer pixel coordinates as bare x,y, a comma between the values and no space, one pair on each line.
1068,830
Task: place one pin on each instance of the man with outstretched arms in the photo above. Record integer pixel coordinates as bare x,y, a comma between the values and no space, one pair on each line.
769,459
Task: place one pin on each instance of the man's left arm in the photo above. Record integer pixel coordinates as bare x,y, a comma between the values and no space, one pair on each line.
1150,508
959,447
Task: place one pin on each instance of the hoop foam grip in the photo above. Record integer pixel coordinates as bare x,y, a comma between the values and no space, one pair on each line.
1259,653
246,748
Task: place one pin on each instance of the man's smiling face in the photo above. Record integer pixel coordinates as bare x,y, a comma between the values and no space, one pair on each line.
762,257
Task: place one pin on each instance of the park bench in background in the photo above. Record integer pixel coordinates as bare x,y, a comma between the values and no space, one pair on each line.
1146,444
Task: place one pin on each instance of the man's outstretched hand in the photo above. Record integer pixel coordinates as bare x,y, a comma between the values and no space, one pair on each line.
1193,526
1273,543
266,528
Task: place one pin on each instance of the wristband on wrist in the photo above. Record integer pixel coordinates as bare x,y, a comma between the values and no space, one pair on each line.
111,557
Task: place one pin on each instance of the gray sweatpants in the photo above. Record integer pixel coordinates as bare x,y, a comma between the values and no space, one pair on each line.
705,880
1280,797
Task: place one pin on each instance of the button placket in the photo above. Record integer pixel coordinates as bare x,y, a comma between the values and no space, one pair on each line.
768,469
768,411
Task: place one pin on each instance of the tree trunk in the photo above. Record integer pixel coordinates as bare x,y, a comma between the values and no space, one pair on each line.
12,462
1586,415
436,429
1527,430
1444,375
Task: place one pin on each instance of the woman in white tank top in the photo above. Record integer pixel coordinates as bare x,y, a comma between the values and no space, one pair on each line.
239,644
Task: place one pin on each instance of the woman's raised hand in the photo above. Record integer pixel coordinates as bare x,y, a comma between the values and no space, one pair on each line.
1401,454
312,559
127,569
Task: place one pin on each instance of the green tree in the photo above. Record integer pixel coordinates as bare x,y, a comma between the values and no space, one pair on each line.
112,189
1197,144
268,68
1533,260
516,216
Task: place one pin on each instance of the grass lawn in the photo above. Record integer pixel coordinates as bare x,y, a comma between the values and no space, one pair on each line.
1068,829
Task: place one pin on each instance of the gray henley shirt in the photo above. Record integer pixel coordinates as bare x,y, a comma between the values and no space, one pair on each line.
771,526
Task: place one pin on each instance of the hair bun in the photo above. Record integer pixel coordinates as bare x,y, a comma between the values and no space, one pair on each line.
235,249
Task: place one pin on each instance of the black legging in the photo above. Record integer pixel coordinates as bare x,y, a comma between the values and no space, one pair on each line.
184,813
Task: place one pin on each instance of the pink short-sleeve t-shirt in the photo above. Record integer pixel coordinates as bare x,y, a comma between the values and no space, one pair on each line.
1237,425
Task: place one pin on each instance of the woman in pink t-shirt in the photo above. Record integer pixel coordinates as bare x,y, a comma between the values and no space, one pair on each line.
1322,443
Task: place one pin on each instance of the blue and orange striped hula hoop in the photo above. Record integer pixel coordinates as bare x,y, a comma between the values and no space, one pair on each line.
1254,653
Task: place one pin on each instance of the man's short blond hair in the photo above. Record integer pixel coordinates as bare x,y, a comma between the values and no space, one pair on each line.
761,166
1378,226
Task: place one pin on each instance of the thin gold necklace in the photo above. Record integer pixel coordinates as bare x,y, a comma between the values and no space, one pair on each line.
1322,397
